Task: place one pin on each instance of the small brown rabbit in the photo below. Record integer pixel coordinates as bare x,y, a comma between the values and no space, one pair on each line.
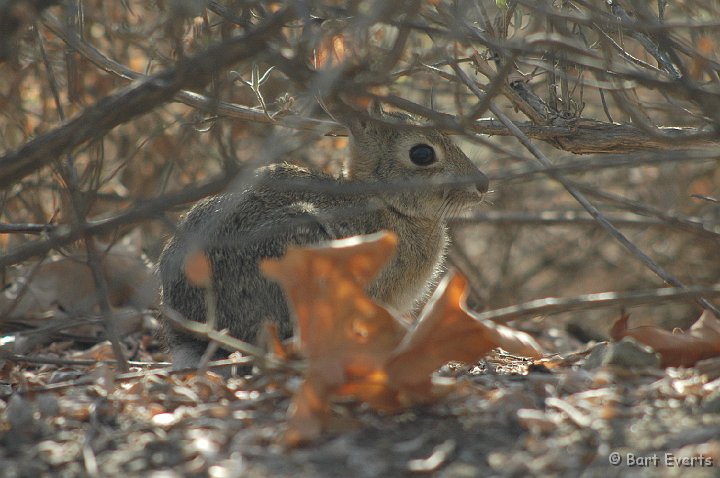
388,186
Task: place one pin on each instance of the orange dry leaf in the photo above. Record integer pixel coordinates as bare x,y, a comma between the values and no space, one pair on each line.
447,331
198,270
100,351
705,47
63,286
308,413
326,286
345,335
356,348
274,342
331,51
681,349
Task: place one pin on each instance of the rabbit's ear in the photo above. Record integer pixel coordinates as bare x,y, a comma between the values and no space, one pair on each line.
368,122
375,109
337,110
358,122
330,107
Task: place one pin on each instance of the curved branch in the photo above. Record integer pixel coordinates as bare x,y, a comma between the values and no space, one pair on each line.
581,137
134,100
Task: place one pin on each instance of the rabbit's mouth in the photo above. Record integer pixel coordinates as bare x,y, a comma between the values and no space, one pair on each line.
466,198
435,204
458,202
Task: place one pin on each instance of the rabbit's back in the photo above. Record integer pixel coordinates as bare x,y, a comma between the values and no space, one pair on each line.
287,206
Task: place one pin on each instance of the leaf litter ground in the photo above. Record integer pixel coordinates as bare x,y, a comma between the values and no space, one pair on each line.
500,414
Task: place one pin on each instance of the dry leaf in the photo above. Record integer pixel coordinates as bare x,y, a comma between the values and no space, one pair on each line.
345,335
704,49
308,413
198,270
356,348
326,286
44,287
446,332
681,349
331,52
98,352
272,338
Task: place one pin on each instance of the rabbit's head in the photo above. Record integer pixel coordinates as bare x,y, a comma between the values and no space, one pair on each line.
427,175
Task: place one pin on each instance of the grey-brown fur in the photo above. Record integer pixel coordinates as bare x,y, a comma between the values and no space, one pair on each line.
292,205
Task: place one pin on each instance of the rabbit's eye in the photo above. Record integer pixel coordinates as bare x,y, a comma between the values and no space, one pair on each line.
422,155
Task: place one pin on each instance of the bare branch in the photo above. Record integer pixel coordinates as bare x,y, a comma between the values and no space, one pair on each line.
581,136
572,218
25,228
141,211
134,100
556,305
587,205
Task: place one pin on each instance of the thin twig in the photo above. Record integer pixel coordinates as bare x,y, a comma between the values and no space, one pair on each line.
226,341
556,305
133,101
77,200
141,211
41,360
563,218
584,137
584,202
25,228
131,376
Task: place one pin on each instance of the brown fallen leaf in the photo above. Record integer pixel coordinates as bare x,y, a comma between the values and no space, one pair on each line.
332,51
677,349
344,334
356,348
326,286
447,331
98,352
272,340
308,413
198,269
704,48
64,286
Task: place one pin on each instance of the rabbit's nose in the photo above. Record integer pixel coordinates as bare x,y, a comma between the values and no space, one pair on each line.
482,183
